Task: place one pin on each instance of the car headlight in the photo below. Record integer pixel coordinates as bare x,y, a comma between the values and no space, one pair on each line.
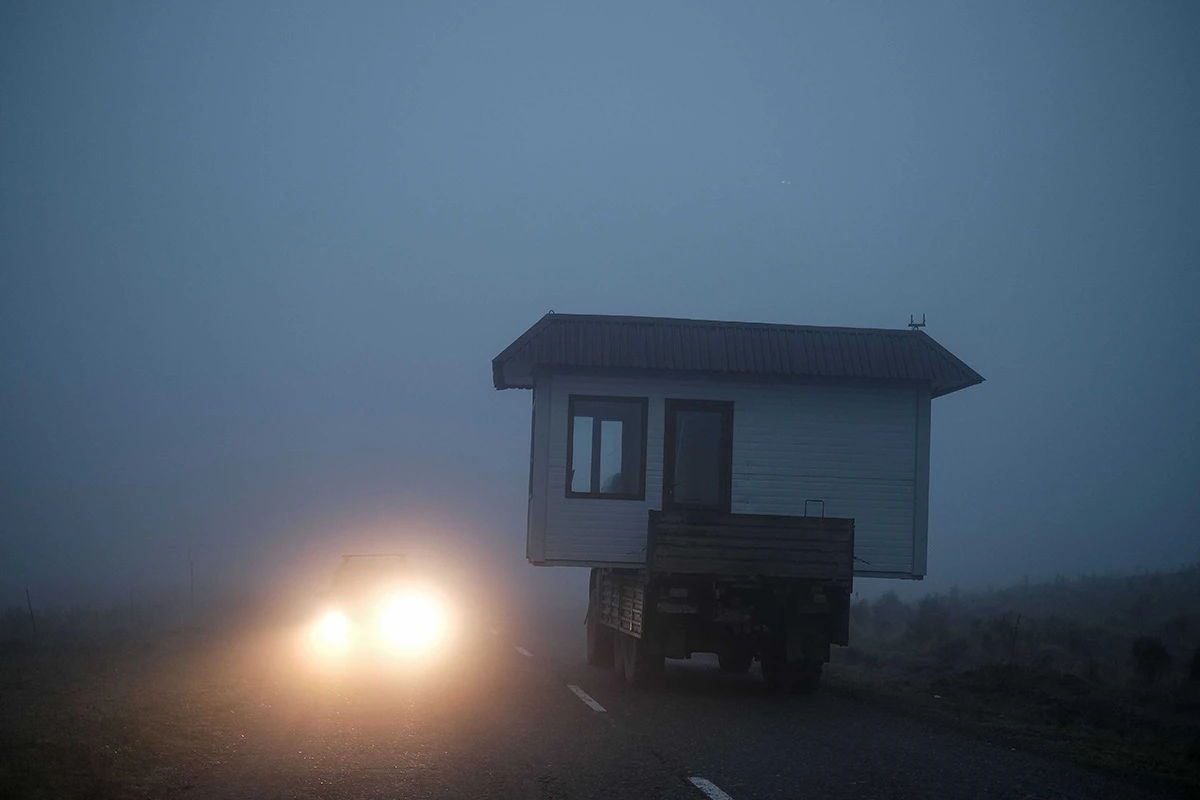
412,622
333,631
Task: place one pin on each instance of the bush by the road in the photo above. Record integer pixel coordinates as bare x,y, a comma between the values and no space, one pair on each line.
1107,630
1105,669
1151,657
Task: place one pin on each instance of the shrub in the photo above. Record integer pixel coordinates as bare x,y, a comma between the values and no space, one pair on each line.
930,623
1049,657
1076,644
996,636
1151,657
1179,626
952,652
987,645
890,614
860,615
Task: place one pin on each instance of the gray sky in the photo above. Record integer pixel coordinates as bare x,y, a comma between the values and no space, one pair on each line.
255,259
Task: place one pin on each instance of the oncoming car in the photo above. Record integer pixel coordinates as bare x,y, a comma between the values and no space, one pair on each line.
377,606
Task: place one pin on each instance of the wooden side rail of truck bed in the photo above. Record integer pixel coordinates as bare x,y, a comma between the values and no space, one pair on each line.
621,600
751,545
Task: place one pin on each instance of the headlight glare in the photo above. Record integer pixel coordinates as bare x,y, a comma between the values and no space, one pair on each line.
411,622
333,631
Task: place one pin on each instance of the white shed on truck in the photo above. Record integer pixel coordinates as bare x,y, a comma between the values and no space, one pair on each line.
638,414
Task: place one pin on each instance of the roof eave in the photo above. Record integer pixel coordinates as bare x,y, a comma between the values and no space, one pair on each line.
958,387
510,378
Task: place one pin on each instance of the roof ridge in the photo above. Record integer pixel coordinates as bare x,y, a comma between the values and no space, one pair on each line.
644,320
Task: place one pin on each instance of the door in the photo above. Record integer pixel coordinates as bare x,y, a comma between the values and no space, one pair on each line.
698,456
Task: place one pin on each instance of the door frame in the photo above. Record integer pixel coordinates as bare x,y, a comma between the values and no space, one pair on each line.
725,408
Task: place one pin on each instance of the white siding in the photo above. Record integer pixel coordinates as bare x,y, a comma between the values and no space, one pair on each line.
856,449
539,447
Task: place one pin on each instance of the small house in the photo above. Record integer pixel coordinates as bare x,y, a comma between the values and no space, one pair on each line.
637,414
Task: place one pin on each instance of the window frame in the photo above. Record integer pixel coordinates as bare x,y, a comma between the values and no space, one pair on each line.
644,402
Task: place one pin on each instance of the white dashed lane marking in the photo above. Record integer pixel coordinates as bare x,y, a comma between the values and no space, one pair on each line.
524,652
709,788
586,698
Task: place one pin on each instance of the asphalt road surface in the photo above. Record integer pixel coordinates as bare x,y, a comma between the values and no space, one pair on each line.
526,717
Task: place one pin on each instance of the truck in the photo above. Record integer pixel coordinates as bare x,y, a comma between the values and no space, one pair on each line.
726,482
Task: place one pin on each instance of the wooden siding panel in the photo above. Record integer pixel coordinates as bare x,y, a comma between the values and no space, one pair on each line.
739,544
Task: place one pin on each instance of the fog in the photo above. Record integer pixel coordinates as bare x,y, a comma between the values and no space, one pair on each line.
255,261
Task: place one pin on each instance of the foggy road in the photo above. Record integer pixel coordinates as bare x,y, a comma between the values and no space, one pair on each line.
529,718
786,319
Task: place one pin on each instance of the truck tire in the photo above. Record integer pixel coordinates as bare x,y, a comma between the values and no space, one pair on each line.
599,641
636,661
735,662
599,635
796,677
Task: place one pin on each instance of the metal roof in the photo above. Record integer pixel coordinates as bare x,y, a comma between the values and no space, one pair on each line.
650,344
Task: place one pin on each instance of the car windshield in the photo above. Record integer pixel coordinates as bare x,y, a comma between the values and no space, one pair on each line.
358,575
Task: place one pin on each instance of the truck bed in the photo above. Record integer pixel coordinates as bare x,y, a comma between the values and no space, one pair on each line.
751,545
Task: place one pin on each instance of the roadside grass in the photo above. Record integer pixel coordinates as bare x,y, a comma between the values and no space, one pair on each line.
110,711
1099,670
129,718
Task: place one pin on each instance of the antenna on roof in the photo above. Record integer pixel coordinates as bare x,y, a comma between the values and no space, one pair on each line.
915,325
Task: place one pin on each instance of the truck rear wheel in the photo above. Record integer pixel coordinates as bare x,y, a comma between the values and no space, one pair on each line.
635,660
599,641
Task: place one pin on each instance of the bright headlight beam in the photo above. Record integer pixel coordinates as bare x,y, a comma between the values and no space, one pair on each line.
411,622
333,630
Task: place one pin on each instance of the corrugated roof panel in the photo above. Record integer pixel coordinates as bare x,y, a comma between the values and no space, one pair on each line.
653,344
744,359
779,353
870,347
889,356
807,346
824,367
860,358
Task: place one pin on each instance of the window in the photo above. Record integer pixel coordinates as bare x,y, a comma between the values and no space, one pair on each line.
606,447
697,455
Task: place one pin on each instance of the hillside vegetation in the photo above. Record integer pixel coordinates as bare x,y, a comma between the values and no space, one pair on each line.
1102,669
